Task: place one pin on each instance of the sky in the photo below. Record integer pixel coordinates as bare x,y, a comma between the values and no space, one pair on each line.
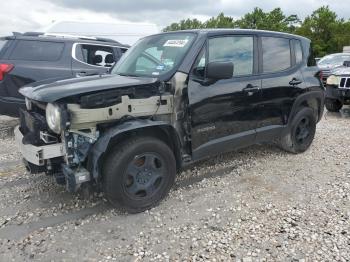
24,15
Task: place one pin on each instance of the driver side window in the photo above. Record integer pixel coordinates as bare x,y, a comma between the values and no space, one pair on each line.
235,49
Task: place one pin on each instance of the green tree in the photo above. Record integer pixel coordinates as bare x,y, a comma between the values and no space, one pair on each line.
184,24
275,20
221,21
327,33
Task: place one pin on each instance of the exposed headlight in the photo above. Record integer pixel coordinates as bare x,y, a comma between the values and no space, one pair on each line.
333,80
28,104
53,117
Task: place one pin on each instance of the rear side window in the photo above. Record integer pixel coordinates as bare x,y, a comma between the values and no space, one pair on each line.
298,51
276,54
95,55
37,51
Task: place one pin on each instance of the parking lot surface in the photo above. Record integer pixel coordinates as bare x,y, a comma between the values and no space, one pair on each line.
257,204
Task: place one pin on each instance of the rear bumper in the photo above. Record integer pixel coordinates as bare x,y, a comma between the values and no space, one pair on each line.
38,155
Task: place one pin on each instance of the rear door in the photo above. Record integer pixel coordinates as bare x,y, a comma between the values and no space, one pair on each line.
35,60
90,59
282,81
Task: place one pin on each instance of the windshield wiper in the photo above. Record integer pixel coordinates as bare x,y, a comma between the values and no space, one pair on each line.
128,75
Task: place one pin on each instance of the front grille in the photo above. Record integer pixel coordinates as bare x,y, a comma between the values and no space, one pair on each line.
326,73
31,123
344,82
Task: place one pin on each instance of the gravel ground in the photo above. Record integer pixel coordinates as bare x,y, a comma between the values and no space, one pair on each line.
257,204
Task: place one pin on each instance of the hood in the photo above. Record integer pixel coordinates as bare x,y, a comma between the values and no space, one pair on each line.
341,71
328,66
75,86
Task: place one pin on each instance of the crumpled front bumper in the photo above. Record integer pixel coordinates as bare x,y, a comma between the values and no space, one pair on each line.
37,155
36,160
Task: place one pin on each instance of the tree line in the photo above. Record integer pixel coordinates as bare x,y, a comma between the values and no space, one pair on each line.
327,31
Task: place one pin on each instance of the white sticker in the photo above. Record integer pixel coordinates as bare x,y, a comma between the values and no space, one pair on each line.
155,73
176,43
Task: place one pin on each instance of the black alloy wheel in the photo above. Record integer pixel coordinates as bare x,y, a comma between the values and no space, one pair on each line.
144,175
138,173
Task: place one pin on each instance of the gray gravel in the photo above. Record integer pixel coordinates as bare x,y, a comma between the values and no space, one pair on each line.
257,204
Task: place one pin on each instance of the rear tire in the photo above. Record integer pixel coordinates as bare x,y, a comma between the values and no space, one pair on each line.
138,174
333,105
301,133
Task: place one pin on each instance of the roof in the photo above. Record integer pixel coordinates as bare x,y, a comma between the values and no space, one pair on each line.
65,38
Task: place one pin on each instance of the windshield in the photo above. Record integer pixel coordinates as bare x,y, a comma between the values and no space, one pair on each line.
334,59
154,55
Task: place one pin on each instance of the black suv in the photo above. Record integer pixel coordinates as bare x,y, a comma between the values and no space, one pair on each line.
31,57
172,99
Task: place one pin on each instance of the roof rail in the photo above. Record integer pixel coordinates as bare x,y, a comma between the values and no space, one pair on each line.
33,33
93,38
42,34
70,36
27,34
103,39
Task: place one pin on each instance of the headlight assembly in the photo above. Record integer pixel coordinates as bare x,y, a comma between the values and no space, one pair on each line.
333,80
53,117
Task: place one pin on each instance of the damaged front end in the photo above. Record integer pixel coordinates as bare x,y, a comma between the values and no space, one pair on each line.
60,137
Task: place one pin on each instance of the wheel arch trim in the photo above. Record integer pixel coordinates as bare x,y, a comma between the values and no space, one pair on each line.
318,95
102,145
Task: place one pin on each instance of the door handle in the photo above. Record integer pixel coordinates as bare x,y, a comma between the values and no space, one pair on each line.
295,81
251,88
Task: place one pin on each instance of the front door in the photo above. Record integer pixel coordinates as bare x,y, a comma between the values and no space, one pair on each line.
223,112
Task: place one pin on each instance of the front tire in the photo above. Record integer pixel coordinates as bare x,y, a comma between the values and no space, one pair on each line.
138,174
301,133
333,105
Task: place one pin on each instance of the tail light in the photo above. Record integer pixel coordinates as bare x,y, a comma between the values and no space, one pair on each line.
4,69
321,75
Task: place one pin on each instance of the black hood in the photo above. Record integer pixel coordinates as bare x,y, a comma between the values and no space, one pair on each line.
75,86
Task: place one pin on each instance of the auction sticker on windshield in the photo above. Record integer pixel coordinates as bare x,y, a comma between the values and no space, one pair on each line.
176,43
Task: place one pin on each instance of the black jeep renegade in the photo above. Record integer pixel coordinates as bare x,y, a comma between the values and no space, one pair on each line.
172,99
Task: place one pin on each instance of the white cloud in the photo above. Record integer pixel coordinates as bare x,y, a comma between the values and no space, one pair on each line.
24,15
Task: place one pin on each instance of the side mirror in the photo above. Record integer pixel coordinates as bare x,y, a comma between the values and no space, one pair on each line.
219,70
346,63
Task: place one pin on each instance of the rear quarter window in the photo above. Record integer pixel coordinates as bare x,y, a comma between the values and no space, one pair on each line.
3,46
311,59
37,51
2,43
